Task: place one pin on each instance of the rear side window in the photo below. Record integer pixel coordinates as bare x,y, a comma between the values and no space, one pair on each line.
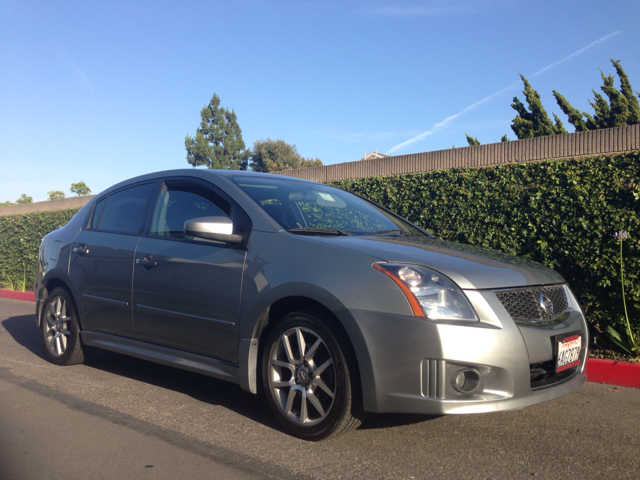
97,213
125,210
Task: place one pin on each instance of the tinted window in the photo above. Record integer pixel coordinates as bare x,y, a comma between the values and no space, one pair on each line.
97,212
126,210
180,201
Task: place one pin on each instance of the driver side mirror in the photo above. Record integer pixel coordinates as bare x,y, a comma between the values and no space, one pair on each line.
212,228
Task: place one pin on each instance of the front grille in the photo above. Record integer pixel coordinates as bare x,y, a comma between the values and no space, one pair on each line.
528,304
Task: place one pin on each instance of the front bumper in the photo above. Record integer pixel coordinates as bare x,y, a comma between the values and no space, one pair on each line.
411,364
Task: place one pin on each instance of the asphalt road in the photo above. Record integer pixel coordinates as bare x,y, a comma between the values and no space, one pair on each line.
119,417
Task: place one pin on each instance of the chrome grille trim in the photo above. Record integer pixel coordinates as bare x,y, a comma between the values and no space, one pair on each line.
526,304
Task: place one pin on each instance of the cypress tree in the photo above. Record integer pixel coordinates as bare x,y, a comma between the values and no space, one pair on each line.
533,122
472,141
602,113
633,116
575,115
618,105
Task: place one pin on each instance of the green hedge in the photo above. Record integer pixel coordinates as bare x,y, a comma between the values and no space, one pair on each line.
561,213
20,237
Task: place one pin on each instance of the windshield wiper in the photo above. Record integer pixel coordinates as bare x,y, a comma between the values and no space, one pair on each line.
319,231
393,230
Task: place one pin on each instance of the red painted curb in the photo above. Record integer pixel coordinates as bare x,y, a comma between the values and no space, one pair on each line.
26,296
611,372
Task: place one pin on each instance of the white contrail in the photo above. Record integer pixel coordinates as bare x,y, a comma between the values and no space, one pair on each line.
583,49
451,118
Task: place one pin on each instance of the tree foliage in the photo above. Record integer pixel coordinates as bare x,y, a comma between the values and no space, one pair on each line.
56,195
276,155
504,138
24,198
79,189
218,141
533,121
620,108
472,141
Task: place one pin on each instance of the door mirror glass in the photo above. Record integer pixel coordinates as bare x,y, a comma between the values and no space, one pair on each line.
212,228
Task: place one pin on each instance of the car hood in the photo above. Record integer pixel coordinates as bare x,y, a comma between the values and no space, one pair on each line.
470,267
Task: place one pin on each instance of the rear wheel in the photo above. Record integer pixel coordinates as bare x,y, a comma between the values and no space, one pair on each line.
311,386
60,329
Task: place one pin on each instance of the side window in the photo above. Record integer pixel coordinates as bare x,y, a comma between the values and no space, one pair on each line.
180,201
125,210
97,213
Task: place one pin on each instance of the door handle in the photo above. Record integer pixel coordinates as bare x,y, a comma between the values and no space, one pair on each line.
147,262
81,250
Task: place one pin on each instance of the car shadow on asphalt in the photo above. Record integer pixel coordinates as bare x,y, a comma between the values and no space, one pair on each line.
23,330
200,387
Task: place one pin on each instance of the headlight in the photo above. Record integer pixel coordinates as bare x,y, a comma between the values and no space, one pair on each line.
429,293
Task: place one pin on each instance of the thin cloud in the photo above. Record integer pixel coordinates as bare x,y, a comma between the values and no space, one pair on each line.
451,118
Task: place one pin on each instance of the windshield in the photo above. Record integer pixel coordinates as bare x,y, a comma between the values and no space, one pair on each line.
313,208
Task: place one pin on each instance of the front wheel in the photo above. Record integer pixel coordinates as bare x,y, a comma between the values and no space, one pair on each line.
310,384
60,329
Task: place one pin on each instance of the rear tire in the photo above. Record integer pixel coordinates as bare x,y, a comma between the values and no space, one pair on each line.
309,379
60,329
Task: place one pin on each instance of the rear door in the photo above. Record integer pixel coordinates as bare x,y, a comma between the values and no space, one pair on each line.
102,259
186,290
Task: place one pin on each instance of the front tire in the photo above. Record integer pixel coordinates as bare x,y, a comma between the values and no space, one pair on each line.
310,384
60,329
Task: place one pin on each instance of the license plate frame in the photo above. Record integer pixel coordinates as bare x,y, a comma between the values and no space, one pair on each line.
568,351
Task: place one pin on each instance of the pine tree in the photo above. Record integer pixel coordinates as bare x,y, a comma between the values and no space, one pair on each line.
218,142
533,122
472,141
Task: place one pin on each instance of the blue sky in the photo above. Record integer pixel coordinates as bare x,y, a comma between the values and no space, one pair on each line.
100,91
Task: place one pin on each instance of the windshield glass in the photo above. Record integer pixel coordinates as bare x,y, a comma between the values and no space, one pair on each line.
299,205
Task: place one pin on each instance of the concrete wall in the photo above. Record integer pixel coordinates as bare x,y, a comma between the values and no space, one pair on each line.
64,204
597,142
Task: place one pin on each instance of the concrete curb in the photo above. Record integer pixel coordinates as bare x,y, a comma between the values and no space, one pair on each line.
611,372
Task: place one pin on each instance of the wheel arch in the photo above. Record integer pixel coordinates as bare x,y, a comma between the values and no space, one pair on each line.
338,320
48,285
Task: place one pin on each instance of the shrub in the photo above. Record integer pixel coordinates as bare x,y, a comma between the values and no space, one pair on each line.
20,237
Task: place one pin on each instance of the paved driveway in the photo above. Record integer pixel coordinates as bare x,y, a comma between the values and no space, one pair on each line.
120,417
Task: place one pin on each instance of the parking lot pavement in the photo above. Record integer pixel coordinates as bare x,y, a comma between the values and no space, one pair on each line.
119,417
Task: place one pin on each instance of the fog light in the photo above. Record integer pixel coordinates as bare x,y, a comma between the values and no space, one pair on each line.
466,380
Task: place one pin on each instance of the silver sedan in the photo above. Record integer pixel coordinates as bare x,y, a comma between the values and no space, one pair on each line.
329,304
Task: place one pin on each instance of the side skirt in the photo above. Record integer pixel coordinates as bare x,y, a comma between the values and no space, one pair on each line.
165,356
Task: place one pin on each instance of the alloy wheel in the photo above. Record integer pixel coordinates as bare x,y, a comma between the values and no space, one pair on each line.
302,376
57,326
